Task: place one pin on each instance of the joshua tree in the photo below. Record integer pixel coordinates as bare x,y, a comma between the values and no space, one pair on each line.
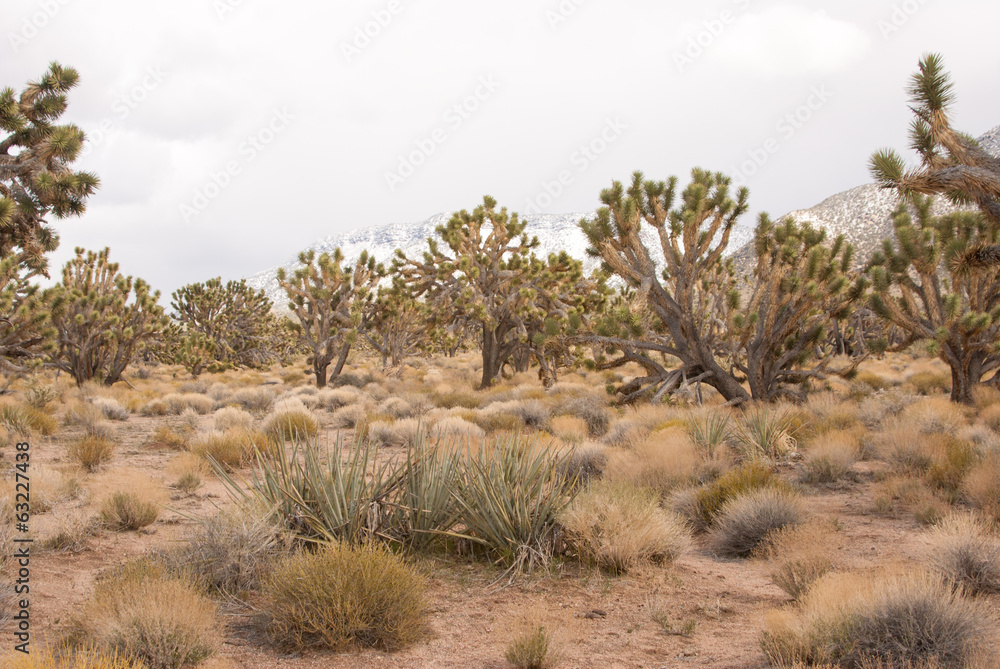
234,317
918,286
35,182
799,287
676,325
952,163
101,318
489,276
399,325
330,303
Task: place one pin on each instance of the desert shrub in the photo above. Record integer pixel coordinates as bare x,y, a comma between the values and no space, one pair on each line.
335,398
747,520
39,395
873,380
232,551
127,512
966,554
905,448
625,432
951,460
591,409
255,400
799,555
456,399
188,483
764,432
155,408
111,409
453,427
569,429
531,413
49,657
178,402
352,379
980,487
830,456
587,462
930,383
71,534
618,526
708,500
288,425
150,616
529,649
662,461
396,407
490,420
349,416
230,417
232,448
936,415
904,620
165,437
343,596
91,452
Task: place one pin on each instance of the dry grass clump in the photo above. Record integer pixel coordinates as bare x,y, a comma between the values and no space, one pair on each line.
151,617
165,437
701,505
179,402
904,620
111,409
335,398
799,555
980,486
745,521
533,642
625,432
231,448
70,658
619,526
951,460
904,447
873,380
463,399
529,413
230,417
829,456
72,534
592,409
90,452
233,551
49,487
397,433
930,383
876,409
453,427
128,511
396,407
991,417
936,415
662,461
569,429
155,407
255,400
342,596
349,416
491,420
587,462
291,424
967,554
911,494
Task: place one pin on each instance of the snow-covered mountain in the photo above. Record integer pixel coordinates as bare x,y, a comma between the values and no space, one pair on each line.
863,214
555,232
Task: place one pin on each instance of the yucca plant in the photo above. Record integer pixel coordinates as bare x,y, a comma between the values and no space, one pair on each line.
427,508
708,430
342,500
764,432
509,495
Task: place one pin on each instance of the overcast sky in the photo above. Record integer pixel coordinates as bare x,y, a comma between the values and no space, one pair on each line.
230,134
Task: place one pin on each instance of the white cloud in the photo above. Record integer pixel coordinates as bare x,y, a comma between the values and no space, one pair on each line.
788,40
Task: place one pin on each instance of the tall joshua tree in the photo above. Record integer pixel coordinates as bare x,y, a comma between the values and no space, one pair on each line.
489,275
686,285
102,319
35,182
800,286
330,303
937,279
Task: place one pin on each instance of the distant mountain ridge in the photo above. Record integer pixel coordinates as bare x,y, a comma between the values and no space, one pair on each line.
862,214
